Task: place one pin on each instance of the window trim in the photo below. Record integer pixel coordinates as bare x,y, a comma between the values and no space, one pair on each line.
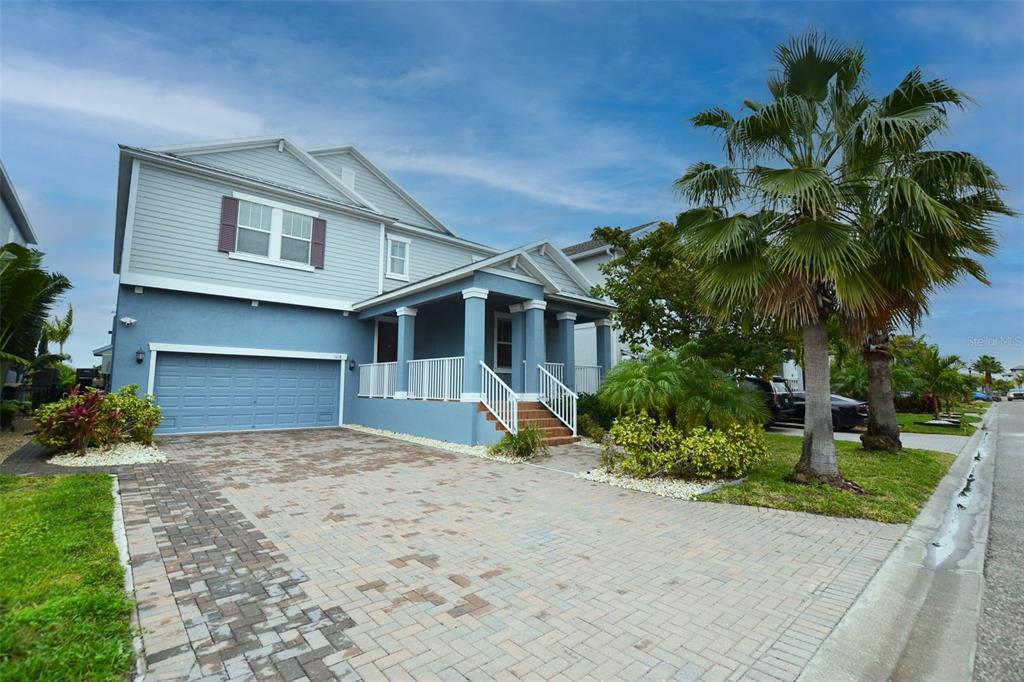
273,256
404,277
498,315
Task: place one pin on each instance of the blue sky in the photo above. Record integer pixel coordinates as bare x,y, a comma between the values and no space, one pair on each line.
510,122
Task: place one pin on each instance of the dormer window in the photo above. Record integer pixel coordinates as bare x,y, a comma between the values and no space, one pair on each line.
398,258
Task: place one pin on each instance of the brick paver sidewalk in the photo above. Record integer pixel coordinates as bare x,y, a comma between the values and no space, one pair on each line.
337,554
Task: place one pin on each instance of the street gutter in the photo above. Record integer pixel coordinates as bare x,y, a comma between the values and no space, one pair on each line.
918,617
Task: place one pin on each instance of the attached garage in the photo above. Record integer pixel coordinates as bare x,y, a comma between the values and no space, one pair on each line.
228,391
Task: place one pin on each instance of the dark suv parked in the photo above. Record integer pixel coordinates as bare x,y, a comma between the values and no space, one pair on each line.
778,398
847,413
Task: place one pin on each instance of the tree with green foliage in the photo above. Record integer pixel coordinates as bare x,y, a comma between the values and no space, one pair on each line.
59,329
27,293
656,292
987,365
940,375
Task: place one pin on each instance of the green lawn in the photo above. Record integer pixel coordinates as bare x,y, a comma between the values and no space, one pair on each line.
63,611
909,424
897,484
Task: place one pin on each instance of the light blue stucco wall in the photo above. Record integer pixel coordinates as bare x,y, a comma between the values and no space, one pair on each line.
448,421
176,317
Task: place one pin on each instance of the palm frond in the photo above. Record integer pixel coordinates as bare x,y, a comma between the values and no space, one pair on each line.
707,184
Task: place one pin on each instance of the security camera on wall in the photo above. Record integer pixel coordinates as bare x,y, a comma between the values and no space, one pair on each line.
128,321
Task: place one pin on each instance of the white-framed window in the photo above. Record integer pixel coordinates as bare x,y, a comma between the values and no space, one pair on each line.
502,342
271,232
397,258
296,236
254,221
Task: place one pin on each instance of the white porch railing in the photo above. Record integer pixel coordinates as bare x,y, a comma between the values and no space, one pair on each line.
556,369
377,380
588,378
497,397
436,378
557,397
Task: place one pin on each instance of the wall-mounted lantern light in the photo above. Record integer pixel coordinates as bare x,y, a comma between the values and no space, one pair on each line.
351,365
140,356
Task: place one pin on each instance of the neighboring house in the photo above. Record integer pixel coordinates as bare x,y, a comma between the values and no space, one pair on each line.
588,257
267,286
14,224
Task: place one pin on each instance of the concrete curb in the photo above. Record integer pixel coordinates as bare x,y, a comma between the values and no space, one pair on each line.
124,554
918,617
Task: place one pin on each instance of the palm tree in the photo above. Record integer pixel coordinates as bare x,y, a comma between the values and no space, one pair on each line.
987,365
792,253
59,330
939,374
27,292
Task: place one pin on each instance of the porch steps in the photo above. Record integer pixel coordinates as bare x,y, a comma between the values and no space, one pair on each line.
534,413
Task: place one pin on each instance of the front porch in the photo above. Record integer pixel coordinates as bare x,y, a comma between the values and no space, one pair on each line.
508,346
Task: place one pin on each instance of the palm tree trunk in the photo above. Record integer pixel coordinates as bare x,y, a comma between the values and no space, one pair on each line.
818,459
883,428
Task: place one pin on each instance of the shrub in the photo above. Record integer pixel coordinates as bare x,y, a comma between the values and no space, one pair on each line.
649,448
527,443
590,406
588,427
92,418
66,376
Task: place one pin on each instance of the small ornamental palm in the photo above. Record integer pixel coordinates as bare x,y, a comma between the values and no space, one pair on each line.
987,365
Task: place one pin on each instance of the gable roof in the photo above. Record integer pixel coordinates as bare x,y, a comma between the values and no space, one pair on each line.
13,204
282,143
591,244
521,256
383,177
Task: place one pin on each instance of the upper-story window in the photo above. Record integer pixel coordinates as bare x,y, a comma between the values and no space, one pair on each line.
398,258
274,233
254,222
296,234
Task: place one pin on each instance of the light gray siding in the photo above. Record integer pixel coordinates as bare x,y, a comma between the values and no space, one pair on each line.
374,190
269,164
9,231
554,271
175,232
428,257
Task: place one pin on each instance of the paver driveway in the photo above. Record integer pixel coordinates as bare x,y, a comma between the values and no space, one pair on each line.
335,553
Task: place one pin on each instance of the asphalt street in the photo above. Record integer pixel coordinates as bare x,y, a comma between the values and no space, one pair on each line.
1000,654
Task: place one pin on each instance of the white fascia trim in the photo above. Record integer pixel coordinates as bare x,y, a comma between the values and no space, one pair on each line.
129,228
233,350
102,349
585,300
566,316
331,179
380,260
474,292
274,204
195,168
537,271
383,177
512,275
191,286
535,305
592,252
252,258
221,145
446,238
406,311
570,268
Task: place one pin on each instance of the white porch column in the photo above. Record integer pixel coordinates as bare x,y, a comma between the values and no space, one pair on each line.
475,300
534,346
518,345
406,338
604,346
567,347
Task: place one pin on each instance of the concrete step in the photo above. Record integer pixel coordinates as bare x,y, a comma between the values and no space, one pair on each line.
561,440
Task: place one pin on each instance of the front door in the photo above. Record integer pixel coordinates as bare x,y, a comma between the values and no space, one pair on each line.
387,341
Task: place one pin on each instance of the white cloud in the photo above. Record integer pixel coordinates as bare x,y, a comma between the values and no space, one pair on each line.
978,23
143,103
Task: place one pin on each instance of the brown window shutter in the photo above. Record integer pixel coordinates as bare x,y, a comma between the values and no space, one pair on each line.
316,255
228,224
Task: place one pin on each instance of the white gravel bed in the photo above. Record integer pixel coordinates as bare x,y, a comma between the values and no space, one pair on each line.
661,486
124,453
475,450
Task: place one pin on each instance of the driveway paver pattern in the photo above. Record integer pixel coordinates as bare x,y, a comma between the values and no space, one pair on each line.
335,554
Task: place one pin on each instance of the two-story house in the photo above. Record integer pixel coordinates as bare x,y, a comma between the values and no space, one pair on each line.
265,286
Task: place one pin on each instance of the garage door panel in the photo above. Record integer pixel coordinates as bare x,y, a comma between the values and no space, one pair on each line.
223,392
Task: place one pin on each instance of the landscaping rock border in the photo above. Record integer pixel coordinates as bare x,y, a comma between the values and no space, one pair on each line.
119,455
474,450
662,486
